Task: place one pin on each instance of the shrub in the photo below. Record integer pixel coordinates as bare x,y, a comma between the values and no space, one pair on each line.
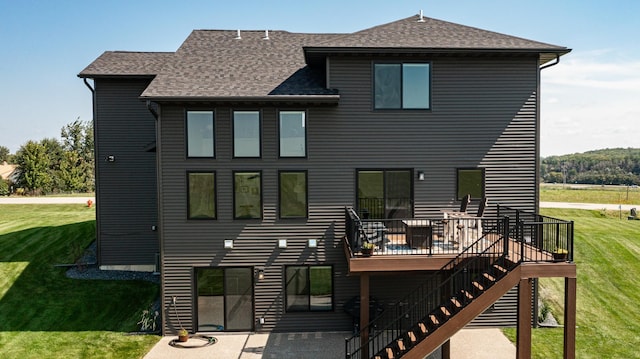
4,187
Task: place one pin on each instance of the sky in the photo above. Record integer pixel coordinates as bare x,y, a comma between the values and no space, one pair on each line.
588,101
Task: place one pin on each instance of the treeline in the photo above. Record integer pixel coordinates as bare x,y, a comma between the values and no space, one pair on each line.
52,166
618,166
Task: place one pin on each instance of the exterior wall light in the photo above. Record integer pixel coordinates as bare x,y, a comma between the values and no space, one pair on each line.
420,176
110,158
260,274
282,243
313,243
228,243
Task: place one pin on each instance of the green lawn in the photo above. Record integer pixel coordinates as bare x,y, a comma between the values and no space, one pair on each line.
607,254
43,314
590,194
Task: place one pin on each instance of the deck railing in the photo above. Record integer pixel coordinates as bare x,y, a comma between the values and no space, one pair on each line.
541,238
411,236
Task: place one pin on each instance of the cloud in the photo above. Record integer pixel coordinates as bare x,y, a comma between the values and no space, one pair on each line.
589,101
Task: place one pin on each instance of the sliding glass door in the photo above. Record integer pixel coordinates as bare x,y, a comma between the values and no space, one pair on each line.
225,299
385,193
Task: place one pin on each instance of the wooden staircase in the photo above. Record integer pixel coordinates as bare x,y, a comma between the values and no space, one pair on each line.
453,314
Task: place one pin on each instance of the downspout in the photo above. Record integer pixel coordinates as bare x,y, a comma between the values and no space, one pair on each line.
537,209
96,171
163,320
152,110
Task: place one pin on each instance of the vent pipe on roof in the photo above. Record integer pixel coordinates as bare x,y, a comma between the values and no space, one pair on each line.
266,35
421,17
238,37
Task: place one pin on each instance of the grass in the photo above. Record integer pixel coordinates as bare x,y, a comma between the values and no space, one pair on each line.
590,194
43,314
607,250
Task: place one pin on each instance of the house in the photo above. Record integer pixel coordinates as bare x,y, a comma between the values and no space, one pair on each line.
250,167
9,172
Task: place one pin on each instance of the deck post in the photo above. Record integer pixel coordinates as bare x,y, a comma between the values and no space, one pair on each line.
364,314
446,350
570,318
523,347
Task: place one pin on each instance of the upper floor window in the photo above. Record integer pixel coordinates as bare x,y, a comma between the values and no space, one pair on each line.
201,200
247,193
293,134
293,194
200,134
402,86
470,181
246,134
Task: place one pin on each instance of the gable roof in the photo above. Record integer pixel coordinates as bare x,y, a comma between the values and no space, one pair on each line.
216,65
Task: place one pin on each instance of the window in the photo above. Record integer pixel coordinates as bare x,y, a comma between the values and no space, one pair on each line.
385,193
293,194
293,137
201,202
470,181
200,134
246,134
309,288
402,86
247,202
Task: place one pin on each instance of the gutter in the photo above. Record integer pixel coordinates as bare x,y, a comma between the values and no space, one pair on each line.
551,64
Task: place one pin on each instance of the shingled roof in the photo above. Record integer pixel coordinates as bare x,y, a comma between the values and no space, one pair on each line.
126,63
216,65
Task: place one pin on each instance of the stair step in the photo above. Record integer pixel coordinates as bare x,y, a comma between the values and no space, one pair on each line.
390,353
499,268
445,311
411,336
468,295
478,285
456,303
434,319
423,328
489,277
400,345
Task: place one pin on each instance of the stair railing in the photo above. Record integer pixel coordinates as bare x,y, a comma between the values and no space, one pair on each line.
422,301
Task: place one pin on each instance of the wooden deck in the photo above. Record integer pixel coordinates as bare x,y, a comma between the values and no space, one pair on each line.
537,263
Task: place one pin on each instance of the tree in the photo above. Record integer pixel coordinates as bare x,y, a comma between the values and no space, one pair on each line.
4,154
76,163
34,162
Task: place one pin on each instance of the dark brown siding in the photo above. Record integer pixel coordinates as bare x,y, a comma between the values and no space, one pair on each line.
126,193
483,115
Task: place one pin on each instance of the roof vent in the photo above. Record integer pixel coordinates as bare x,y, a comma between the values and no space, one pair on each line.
266,35
421,17
238,37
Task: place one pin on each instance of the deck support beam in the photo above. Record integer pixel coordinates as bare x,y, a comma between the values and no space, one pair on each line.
523,345
364,314
570,287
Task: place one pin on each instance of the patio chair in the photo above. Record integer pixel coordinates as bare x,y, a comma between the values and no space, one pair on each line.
482,207
465,203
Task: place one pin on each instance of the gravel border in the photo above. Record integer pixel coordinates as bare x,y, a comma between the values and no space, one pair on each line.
92,272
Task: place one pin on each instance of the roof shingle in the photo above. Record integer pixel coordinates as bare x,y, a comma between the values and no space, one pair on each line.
216,65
